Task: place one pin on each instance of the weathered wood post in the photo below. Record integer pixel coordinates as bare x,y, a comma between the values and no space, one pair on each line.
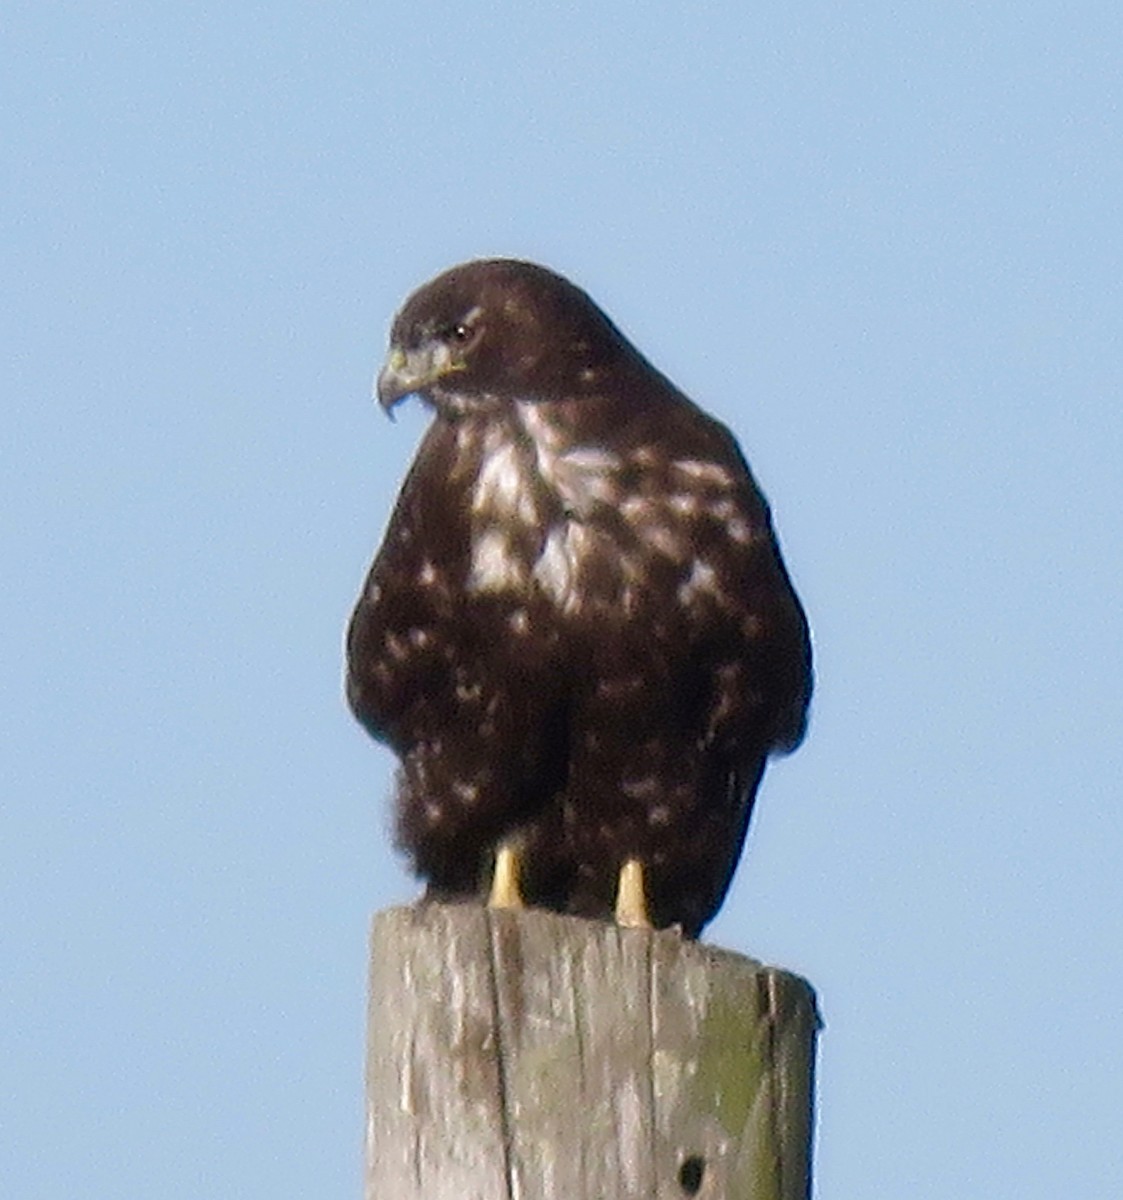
527,1056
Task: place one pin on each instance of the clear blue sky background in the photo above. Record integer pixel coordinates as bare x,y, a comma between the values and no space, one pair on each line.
882,241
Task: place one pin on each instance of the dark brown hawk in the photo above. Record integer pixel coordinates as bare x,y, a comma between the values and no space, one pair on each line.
579,636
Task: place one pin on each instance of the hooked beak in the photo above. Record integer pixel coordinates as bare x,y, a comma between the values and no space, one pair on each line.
409,371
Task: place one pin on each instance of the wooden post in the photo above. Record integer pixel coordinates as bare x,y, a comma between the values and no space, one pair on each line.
528,1056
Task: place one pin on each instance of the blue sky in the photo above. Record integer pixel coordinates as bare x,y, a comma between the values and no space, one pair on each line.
882,243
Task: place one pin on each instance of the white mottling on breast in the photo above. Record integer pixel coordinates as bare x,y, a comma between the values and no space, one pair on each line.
724,509
636,508
740,531
752,625
558,566
544,434
664,539
466,436
582,476
495,566
686,504
644,787
593,459
504,489
702,581
397,647
533,483
499,477
703,472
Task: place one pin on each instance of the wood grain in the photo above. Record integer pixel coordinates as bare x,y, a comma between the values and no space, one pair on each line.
528,1056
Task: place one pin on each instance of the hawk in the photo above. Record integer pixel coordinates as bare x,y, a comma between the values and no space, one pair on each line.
578,636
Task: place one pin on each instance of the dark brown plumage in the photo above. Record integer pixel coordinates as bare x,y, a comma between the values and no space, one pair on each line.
578,635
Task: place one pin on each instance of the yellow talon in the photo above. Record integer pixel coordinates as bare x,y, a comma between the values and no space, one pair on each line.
631,900
505,879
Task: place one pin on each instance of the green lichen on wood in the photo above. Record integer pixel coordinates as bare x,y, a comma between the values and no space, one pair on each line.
734,1083
728,1079
753,1044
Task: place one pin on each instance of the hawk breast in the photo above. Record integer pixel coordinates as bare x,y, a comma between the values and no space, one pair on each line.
588,527
534,505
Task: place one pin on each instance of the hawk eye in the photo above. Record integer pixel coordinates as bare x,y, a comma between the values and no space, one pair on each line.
459,332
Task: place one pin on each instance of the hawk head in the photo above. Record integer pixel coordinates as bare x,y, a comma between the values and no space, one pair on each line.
495,330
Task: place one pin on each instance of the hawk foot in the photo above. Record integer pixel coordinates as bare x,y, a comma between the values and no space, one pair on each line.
505,879
631,899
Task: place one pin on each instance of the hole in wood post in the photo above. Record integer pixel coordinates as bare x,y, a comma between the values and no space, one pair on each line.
690,1174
